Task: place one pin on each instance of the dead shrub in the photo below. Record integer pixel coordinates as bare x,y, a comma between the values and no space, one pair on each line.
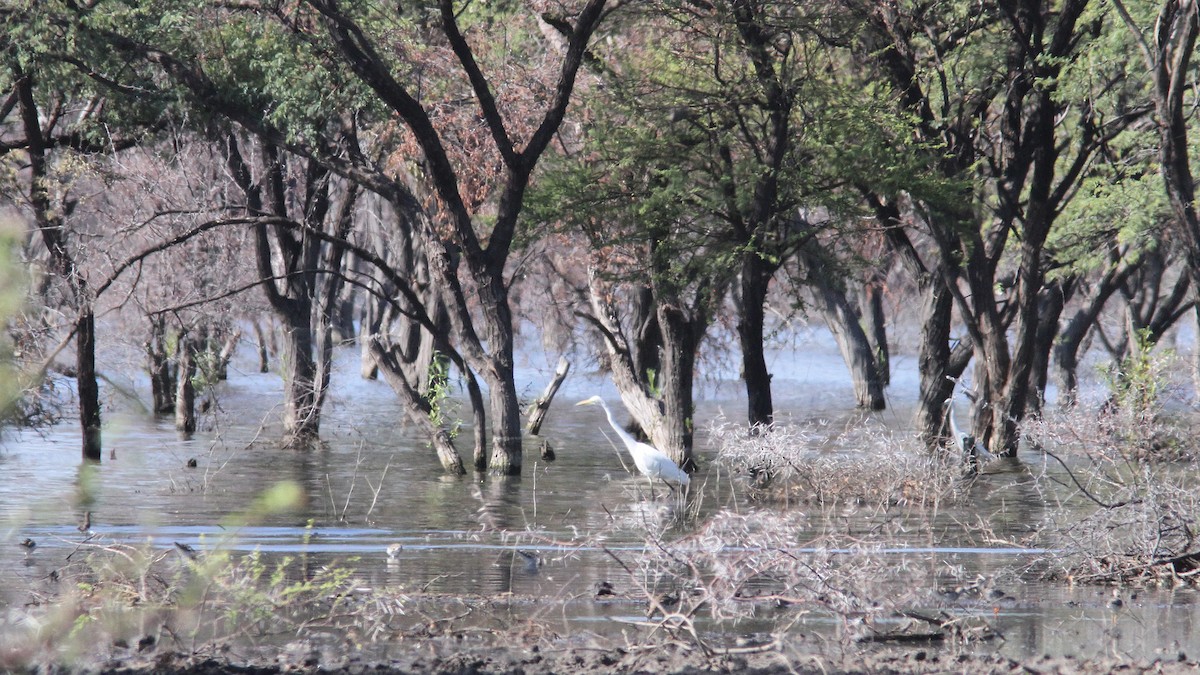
790,464
1119,508
760,565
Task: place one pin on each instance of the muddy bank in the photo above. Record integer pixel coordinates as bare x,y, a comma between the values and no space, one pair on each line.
619,661
508,654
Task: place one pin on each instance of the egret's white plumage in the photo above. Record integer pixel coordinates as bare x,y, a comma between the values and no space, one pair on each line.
972,450
651,461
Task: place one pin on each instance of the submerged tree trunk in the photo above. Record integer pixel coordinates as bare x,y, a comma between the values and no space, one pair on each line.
664,408
369,329
225,356
406,336
1050,308
185,392
88,387
755,281
50,222
158,363
420,410
300,292
875,326
934,363
852,341
301,417
264,360
676,426
540,407
940,362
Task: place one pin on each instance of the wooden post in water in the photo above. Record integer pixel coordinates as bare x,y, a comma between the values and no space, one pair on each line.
537,411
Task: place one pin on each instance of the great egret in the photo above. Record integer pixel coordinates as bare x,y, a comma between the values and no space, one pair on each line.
649,460
973,452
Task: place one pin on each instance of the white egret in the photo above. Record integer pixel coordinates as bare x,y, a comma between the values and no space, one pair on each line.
651,461
972,450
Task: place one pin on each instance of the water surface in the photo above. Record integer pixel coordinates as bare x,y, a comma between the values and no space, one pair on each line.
552,533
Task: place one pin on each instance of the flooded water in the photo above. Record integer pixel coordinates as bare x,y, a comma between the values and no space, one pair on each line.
553,533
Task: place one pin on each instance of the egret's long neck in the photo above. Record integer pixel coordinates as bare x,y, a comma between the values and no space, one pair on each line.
617,427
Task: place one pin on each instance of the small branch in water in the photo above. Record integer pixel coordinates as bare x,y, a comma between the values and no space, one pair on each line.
1089,495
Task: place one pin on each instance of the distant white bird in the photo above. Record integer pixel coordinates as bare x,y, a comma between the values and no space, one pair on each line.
651,461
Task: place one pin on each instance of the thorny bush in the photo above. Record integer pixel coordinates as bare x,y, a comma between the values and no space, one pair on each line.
1122,508
793,465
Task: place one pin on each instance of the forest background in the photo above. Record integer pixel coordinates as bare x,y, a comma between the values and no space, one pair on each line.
437,180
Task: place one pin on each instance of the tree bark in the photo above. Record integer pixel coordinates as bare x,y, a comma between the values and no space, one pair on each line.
88,387
264,361
185,392
754,281
676,425
228,348
852,341
1053,301
158,363
875,320
935,364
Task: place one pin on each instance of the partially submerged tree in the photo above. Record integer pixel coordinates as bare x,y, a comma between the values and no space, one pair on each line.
303,289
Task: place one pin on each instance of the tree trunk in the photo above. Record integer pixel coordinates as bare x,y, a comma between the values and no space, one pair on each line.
1071,337
1011,380
264,361
675,428
411,330
852,342
663,411
755,280
875,319
1050,308
537,412
367,368
228,348
934,363
89,389
49,220
505,412
648,340
419,409
301,417
185,392
158,363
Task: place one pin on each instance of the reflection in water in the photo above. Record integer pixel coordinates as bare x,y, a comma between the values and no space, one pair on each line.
374,498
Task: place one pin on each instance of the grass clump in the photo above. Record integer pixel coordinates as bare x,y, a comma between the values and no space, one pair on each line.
110,599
